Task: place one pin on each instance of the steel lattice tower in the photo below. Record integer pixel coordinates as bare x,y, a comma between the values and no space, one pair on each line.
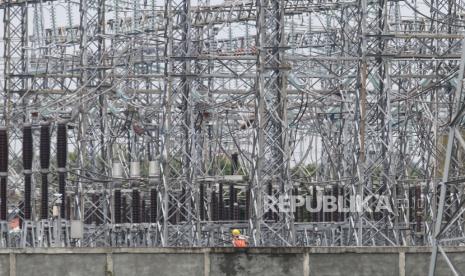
183,119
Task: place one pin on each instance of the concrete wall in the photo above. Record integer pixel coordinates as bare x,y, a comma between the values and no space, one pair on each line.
314,261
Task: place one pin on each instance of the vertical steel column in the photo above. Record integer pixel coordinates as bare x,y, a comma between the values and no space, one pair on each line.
362,101
82,117
271,138
15,24
165,130
178,170
454,134
4,156
257,184
91,18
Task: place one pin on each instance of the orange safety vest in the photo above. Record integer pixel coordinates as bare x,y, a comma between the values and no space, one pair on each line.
239,242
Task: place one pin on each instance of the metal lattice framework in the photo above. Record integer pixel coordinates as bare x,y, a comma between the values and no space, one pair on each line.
184,118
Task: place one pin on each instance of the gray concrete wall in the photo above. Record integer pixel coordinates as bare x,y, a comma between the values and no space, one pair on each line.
314,261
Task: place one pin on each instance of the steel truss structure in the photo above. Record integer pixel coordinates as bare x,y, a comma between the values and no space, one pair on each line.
167,123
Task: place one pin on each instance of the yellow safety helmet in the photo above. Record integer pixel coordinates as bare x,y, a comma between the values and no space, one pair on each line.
236,232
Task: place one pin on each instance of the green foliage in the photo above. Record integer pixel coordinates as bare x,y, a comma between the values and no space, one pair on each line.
224,164
414,172
308,170
175,167
72,157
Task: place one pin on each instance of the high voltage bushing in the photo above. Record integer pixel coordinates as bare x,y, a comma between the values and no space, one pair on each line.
153,205
143,211
3,208
62,145
44,197
27,196
221,211
61,190
124,208
44,145
3,172
411,203
44,165
231,201
27,165
27,148
3,152
214,206
202,201
62,152
135,206
117,205
235,211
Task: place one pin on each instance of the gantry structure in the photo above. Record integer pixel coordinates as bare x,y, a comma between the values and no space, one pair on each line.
168,123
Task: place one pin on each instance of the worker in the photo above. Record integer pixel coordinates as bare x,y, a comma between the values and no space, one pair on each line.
238,240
